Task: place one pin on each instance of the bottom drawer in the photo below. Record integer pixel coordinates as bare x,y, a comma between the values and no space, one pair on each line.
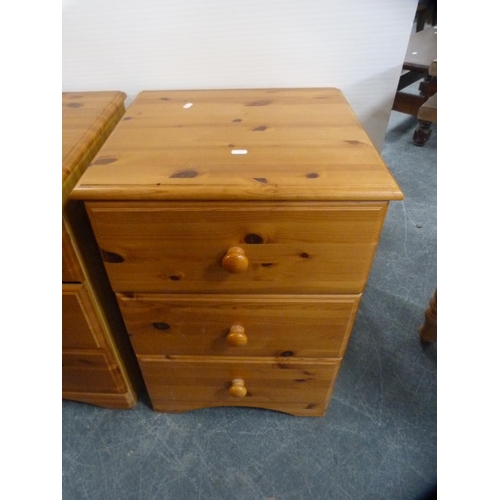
299,387
90,372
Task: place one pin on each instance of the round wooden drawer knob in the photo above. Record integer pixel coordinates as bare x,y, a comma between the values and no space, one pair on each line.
235,261
236,336
238,389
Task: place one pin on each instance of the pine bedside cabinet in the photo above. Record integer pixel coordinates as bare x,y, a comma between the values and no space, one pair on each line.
98,365
237,228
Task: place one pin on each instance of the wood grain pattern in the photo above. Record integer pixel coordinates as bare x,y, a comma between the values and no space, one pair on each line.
237,228
71,267
302,144
300,387
98,366
291,247
81,326
281,326
87,119
90,371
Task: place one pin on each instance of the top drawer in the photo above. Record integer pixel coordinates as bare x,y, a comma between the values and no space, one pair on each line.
281,247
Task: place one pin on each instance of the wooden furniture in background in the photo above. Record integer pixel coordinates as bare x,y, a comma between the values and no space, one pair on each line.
426,14
427,115
428,331
420,55
98,363
237,228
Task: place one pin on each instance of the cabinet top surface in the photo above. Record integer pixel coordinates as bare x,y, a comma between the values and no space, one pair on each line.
84,116
266,144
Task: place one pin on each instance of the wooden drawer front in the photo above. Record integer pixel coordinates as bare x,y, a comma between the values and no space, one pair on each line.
291,247
90,372
81,326
245,325
300,387
71,270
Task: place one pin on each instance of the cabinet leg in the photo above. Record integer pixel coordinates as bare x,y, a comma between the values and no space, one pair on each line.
428,331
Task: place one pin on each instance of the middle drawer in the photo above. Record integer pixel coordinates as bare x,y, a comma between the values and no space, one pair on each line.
242,325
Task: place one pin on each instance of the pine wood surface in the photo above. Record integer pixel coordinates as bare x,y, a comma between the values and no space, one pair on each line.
107,400
97,356
302,144
87,118
291,247
281,326
90,371
71,268
82,328
98,367
73,222
238,275
300,387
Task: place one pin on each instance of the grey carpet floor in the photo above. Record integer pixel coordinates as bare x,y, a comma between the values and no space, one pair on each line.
378,439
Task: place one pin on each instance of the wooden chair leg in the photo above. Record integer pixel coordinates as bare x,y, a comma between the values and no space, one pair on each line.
422,133
428,331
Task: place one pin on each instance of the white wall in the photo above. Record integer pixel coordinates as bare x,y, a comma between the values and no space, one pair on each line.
133,45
